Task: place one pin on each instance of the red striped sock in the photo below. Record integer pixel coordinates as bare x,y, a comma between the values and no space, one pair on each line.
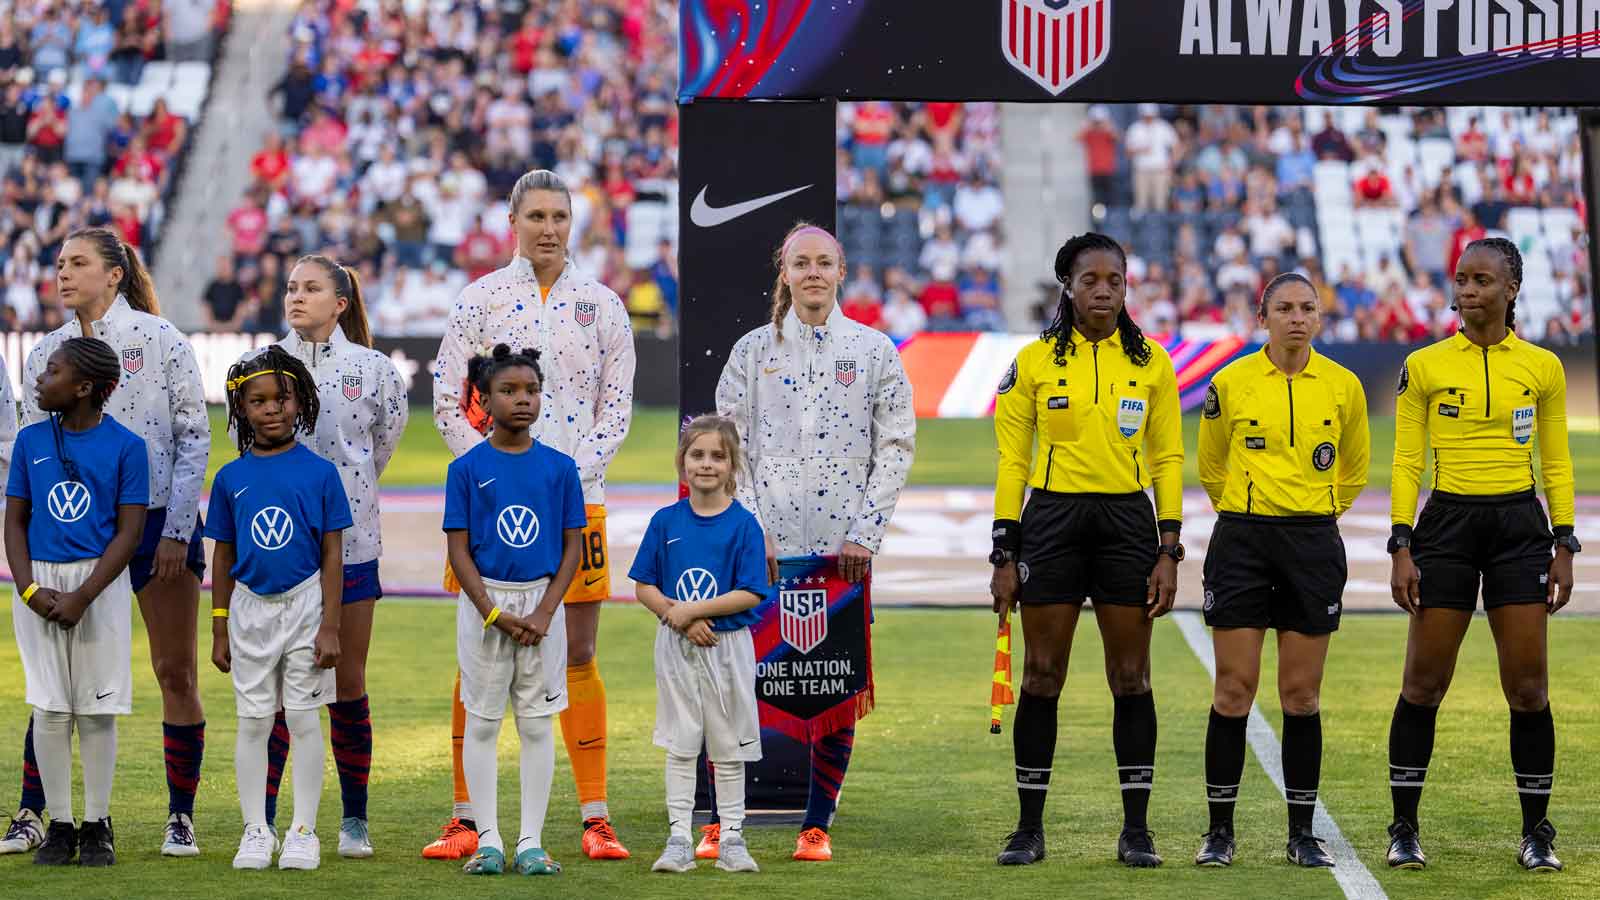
277,758
830,758
350,727
185,748
32,787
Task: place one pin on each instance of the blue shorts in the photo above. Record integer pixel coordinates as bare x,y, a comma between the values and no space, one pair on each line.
361,582
143,565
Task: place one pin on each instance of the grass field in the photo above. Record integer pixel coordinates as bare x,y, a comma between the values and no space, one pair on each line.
949,452
929,797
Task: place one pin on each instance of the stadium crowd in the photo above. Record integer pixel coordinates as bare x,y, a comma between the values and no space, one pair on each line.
403,127
87,135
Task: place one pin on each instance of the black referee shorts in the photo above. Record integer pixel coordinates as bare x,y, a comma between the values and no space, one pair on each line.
1098,547
1502,539
1283,572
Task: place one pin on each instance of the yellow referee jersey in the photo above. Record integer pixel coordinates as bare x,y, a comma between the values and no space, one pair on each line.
1276,445
1102,425
1480,408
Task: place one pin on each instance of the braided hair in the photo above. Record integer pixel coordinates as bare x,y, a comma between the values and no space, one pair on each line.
94,361
290,374
1513,258
482,369
1059,331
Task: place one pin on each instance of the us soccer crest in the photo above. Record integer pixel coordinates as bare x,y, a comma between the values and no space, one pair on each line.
352,387
584,313
133,360
803,618
844,372
1056,42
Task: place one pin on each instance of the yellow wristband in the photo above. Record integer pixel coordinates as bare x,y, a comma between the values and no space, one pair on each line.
219,613
489,619
28,594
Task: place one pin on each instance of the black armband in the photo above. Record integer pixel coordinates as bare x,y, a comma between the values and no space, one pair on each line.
1173,525
1007,535
1562,531
1400,531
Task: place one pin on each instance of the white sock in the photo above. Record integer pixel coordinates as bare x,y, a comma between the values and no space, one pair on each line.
538,768
52,747
305,743
97,743
478,764
730,795
250,768
680,794
461,811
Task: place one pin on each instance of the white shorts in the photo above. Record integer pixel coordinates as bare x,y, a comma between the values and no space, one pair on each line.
273,641
495,669
86,669
707,695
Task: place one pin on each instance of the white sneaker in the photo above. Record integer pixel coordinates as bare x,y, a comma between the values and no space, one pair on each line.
179,839
301,850
255,848
25,833
354,840
733,854
677,857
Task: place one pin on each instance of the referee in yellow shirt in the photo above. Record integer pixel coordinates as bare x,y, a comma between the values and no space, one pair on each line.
1284,449
1481,397
1088,417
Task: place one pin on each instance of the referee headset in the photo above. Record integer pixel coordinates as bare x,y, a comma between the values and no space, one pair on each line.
1513,259
95,362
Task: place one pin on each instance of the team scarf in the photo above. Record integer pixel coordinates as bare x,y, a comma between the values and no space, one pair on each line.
814,650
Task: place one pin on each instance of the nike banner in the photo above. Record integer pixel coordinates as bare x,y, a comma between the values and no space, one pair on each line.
749,172
1332,52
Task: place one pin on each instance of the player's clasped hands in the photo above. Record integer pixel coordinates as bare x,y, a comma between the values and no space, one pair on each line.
516,628
682,619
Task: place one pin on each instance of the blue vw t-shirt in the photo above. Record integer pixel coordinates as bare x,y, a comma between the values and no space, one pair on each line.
691,557
274,510
514,507
74,520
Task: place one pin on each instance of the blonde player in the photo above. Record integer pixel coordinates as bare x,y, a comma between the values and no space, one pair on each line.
278,514
77,507
513,515
580,328
702,570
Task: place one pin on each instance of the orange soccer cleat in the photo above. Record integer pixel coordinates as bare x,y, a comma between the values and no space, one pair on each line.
600,841
710,846
813,845
456,841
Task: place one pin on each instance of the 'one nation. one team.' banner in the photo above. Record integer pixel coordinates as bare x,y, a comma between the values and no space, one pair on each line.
1420,52
814,650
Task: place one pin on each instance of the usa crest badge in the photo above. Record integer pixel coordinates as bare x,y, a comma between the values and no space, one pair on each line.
803,618
133,360
352,387
584,313
844,372
1057,43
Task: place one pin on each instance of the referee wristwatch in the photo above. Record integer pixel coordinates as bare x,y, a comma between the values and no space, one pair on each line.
1569,542
1000,556
1173,550
1398,542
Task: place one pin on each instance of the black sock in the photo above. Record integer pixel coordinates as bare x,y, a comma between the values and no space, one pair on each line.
1224,765
1133,735
1410,748
1302,767
1533,761
1033,743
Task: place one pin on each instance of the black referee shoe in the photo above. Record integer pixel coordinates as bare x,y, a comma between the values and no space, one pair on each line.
59,847
1024,847
1136,849
1405,851
1216,848
1305,849
1539,849
94,844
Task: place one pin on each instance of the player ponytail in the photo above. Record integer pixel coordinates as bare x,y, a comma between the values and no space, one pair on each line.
1059,331
94,361
1513,258
291,374
347,284
115,253
724,428
782,297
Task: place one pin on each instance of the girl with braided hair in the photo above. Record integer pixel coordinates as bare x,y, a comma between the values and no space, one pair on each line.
77,507
1483,398
1101,403
278,516
160,398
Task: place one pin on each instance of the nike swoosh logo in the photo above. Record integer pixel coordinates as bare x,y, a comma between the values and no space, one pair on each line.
591,582
240,493
484,484
590,741
707,216
40,460
748,743
103,696
671,541
551,698
767,371
316,694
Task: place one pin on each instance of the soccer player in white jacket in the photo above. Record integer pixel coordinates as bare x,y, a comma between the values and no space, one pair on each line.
363,415
580,328
824,411
161,399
